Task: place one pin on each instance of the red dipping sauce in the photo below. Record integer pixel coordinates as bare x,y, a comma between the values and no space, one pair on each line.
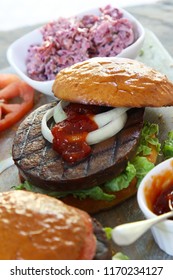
69,136
158,195
161,203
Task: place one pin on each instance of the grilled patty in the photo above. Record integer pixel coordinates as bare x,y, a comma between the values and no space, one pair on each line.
43,167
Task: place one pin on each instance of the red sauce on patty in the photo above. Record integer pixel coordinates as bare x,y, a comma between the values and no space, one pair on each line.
69,136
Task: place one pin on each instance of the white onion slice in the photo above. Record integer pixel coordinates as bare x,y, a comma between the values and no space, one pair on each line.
105,117
113,125
44,128
59,115
5,164
100,119
106,131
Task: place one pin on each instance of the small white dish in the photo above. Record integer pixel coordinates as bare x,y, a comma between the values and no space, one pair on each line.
17,51
159,176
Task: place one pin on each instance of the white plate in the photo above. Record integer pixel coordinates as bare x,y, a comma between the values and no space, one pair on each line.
17,52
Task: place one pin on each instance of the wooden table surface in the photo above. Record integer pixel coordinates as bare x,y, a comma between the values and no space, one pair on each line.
159,19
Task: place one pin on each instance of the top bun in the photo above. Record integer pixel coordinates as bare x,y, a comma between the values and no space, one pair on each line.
34,226
113,81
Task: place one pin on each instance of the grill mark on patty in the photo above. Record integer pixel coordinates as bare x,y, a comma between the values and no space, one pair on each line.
23,136
42,166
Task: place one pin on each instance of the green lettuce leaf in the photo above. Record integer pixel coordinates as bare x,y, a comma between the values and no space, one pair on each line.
96,193
167,148
146,139
142,166
120,256
108,231
123,180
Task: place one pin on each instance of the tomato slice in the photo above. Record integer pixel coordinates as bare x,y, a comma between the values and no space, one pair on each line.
11,87
6,79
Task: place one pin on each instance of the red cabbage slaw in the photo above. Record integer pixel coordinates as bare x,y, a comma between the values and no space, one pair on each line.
71,40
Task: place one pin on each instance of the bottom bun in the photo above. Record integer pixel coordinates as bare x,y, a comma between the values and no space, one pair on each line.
94,206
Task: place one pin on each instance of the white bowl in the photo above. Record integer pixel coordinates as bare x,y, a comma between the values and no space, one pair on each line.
163,231
17,51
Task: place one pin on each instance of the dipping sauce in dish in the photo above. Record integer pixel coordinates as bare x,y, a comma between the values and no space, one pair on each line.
162,191
161,204
154,191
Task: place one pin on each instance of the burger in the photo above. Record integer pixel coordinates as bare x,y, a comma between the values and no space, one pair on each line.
92,146
39,227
